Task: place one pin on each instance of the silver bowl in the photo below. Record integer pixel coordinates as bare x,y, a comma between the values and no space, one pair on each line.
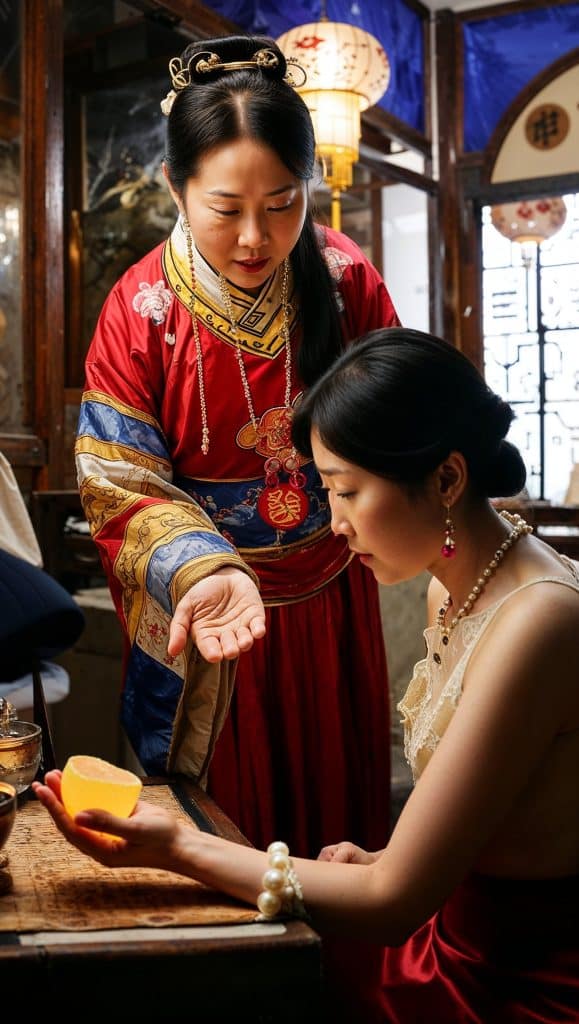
20,752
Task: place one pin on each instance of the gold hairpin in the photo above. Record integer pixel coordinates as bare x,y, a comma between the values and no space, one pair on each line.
290,78
167,104
180,73
261,59
180,79
206,61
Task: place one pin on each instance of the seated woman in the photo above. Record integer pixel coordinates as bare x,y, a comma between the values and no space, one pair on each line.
472,906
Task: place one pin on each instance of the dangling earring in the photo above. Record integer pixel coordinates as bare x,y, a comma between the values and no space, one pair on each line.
448,549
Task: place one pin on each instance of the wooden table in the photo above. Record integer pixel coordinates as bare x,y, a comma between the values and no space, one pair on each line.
207,975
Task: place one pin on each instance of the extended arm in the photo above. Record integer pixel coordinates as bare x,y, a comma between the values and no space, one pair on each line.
496,742
153,537
182,592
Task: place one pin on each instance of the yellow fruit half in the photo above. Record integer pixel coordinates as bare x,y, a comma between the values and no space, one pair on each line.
90,783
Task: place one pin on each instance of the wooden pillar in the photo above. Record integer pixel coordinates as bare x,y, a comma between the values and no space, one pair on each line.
470,319
459,214
448,91
42,229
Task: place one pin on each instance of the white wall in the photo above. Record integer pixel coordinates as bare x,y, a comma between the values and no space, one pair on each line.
405,240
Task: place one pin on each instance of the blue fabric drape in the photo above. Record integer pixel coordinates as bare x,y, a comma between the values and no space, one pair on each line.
502,55
398,29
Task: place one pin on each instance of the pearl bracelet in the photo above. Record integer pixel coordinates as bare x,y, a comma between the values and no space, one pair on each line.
282,893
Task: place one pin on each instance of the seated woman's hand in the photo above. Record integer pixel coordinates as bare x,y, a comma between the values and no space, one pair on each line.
147,839
347,853
223,614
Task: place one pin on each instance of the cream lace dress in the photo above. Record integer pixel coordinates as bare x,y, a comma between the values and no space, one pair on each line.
434,691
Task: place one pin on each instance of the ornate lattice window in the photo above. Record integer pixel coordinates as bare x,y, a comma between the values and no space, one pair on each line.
531,346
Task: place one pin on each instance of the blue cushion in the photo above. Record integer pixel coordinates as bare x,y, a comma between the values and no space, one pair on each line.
38,617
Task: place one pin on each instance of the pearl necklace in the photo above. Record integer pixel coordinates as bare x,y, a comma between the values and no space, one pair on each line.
520,528
284,331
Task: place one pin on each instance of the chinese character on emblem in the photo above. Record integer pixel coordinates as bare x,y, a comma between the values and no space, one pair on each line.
547,126
283,507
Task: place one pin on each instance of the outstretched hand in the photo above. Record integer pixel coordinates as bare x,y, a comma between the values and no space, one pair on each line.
223,614
146,839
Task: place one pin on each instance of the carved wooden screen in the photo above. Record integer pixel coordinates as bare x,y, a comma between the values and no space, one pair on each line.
531,346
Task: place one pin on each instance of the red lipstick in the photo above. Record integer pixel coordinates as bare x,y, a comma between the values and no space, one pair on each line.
253,266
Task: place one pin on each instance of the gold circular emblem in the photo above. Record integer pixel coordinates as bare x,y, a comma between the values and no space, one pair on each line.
546,126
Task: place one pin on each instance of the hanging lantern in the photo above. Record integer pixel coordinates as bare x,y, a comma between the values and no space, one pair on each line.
530,221
347,71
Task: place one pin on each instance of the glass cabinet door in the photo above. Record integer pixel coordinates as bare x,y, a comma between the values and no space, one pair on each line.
12,405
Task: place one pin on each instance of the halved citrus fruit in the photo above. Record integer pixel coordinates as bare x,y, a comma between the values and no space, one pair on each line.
89,783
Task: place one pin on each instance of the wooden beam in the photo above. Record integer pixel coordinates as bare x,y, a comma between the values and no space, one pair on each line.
195,18
393,128
520,7
419,8
525,188
375,139
391,172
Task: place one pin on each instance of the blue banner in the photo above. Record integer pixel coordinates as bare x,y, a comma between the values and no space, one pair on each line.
502,55
398,28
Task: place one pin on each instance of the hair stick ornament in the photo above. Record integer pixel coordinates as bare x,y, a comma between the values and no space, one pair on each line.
206,62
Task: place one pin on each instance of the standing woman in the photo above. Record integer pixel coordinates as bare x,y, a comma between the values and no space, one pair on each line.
213,531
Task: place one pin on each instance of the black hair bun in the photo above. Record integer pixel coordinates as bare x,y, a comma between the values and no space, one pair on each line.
506,475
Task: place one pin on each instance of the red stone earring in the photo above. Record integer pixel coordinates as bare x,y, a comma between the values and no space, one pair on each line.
448,549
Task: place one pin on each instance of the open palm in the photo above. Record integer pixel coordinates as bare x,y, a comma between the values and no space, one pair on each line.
223,614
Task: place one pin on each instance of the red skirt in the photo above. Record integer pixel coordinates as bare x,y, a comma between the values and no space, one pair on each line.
304,755
500,951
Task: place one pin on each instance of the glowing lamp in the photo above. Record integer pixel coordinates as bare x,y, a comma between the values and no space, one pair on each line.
530,221
347,71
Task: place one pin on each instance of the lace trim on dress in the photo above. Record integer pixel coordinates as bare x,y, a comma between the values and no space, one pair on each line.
431,699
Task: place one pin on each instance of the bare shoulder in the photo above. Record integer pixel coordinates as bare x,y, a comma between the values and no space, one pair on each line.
533,642
549,605
545,598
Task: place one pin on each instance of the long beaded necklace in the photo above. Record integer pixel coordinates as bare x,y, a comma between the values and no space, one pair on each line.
283,505
520,528
285,333
198,351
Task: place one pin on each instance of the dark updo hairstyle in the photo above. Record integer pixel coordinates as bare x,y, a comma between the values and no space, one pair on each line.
398,401
223,106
